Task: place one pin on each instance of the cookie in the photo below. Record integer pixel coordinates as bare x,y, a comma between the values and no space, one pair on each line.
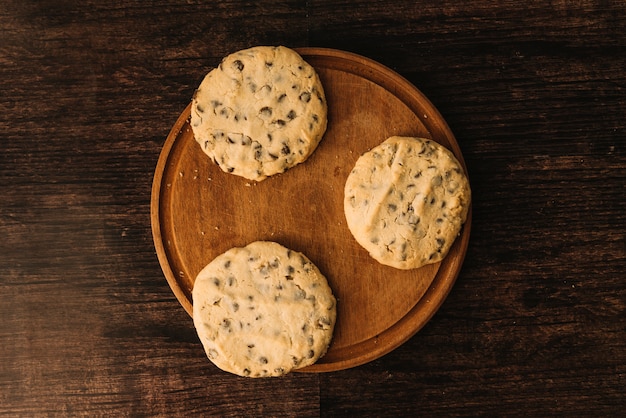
263,310
406,200
260,112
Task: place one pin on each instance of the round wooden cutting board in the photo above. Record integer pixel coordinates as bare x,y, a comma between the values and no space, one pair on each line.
199,212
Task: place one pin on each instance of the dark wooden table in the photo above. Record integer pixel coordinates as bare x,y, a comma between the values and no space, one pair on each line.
536,95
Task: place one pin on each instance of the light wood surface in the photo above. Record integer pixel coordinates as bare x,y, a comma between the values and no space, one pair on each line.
199,212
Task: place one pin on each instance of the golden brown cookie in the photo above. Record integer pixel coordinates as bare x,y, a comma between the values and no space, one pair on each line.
261,112
406,200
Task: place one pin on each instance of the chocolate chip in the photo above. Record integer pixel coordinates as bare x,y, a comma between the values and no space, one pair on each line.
281,97
323,322
291,115
238,65
226,324
266,111
305,97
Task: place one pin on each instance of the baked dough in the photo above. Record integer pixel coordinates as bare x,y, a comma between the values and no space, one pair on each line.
406,200
263,310
261,112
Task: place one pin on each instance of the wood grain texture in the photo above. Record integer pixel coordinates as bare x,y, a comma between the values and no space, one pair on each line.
535,95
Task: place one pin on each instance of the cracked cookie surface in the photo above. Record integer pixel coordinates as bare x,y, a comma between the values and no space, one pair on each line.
263,310
260,112
406,200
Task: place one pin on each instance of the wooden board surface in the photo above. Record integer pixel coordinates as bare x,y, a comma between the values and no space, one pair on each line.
199,212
